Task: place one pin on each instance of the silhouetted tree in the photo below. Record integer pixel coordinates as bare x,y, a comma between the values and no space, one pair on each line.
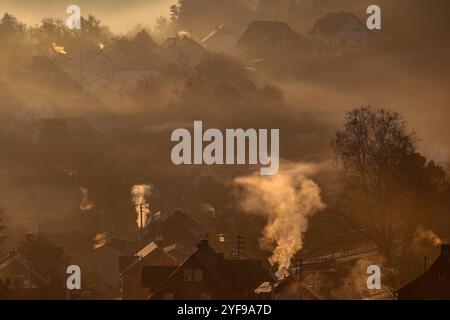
386,183
10,25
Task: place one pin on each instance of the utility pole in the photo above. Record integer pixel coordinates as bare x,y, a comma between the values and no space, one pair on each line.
240,245
141,221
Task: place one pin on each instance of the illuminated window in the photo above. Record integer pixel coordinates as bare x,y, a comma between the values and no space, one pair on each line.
221,237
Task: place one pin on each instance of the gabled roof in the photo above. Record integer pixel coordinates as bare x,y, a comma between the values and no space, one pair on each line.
148,255
179,220
231,275
183,45
269,32
11,263
285,279
142,38
332,22
124,247
428,285
40,248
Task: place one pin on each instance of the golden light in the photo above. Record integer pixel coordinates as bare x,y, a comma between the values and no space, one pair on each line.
58,49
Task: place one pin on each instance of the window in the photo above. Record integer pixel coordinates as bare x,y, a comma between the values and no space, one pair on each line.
442,274
188,274
168,296
205,296
198,275
193,275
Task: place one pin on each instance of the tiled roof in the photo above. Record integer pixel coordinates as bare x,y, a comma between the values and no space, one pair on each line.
332,23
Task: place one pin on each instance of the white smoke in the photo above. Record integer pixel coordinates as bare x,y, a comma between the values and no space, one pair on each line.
184,35
139,195
287,200
85,204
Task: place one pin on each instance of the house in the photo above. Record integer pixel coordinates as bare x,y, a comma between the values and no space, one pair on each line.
19,273
35,269
74,242
100,266
183,49
45,72
221,40
266,38
178,227
144,42
131,275
287,286
338,33
434,284
206,275
45,257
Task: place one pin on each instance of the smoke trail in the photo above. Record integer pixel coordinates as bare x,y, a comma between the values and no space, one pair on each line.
100,240
423,234
139,194
85,204
287,200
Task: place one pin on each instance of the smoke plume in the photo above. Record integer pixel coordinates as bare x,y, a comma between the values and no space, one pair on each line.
423,234
100,240
85,204
287,200
139,194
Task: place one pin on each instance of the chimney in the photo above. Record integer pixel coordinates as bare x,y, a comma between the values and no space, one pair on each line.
203,244
445,249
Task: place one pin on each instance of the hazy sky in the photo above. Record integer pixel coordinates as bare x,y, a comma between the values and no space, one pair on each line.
120,15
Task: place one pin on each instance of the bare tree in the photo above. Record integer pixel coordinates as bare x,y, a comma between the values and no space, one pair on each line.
383,177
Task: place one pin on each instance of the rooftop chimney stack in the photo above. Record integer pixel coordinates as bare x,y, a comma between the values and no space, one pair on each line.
445,248
202,244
